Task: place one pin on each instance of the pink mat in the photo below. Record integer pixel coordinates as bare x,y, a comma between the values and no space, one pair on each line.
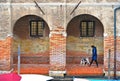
10,77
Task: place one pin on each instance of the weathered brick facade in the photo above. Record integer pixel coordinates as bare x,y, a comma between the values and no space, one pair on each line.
61,44
57,50
6,54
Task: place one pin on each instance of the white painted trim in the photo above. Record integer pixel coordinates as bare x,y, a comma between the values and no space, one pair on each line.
118,34
112,73
2,71
57,73
58,4
64,34
105,34
9,35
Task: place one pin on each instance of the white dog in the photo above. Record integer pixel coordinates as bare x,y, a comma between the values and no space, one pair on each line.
85,61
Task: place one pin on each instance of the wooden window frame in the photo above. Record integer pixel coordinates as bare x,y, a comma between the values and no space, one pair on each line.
87,30
37,28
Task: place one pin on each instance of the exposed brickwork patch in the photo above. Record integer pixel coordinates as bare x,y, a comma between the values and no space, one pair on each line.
5,53
109,44
57,52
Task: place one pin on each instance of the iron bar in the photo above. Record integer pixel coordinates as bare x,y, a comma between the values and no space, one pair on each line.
109,69
18,59
75,7
39,7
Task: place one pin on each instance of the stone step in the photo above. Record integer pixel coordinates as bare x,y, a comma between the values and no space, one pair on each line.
62,79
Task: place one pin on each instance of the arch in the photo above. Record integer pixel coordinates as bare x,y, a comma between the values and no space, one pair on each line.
33,49
27,19
78,46
93,15
18,17
33,17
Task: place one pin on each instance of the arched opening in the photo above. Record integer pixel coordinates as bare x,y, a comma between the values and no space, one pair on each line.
82,32
31,32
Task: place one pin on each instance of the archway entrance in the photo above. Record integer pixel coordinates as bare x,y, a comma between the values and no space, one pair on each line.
31,33
82,32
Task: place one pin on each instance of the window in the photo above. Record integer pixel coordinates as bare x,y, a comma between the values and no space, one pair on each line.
36,28
87,28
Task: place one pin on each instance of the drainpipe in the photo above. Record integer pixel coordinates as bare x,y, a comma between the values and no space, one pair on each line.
19,59
115,10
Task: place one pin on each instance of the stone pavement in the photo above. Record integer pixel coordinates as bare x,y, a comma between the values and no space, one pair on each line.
78,70
71,69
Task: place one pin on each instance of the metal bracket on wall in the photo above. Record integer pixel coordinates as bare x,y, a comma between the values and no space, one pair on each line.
39,7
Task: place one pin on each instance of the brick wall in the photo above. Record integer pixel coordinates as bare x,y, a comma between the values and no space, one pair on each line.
118,53
54,15
57,51
5,54
109,44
